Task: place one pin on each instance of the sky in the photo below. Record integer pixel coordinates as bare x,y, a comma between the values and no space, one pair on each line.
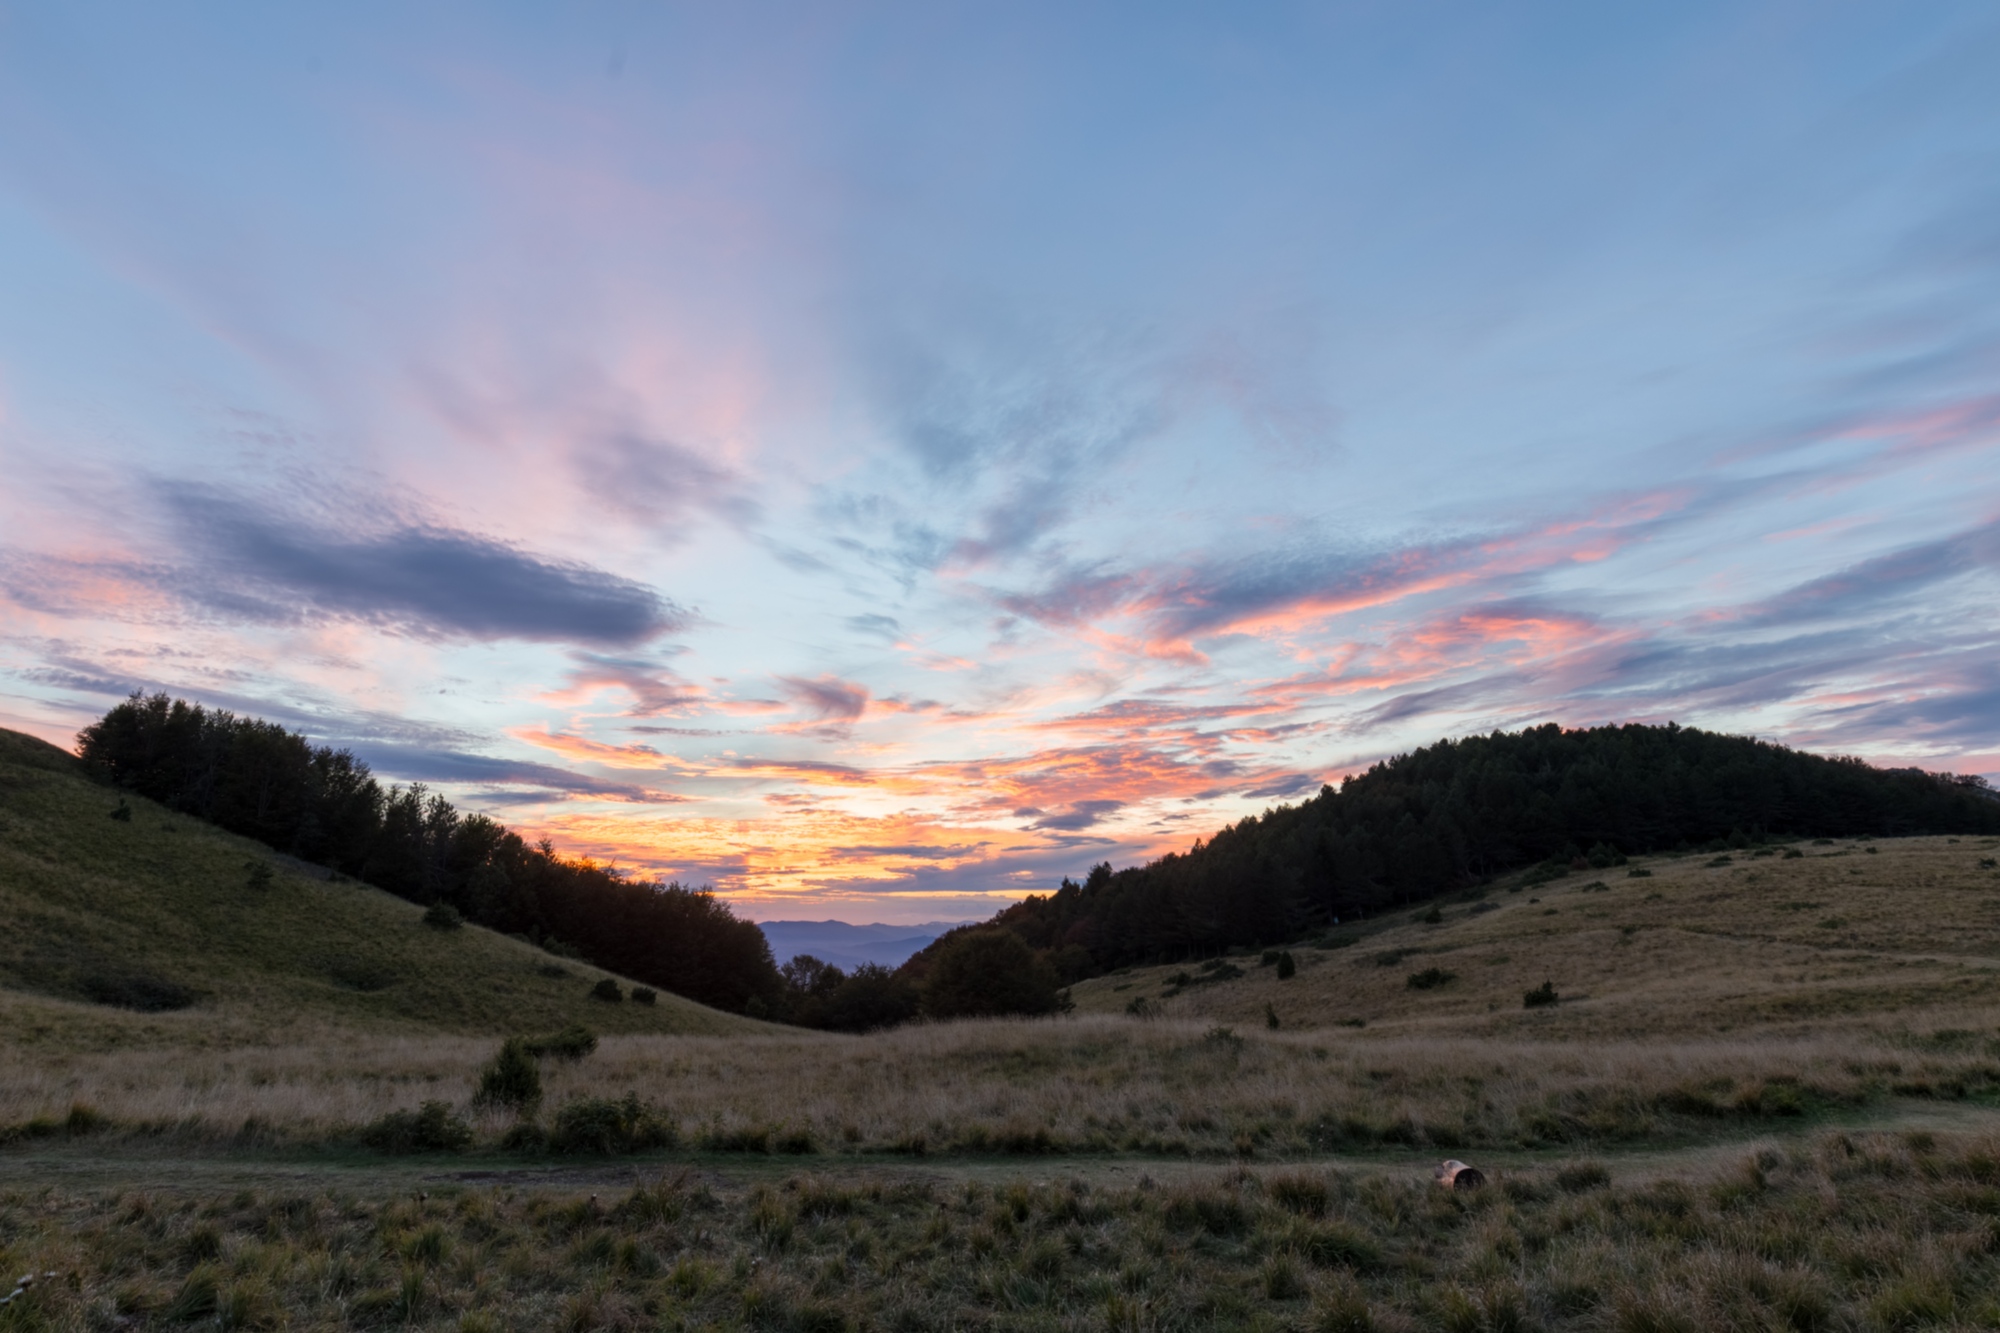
877,460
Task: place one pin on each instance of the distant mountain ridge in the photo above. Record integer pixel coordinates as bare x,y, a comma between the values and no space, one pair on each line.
848,946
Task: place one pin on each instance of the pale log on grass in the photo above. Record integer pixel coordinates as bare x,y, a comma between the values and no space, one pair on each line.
1456,1175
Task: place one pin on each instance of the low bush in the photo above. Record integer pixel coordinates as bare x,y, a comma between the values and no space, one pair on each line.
257,874
1287,969
603,1127
432,1127
644,995
609,991
123,814
1639,872
442,915
1540,997
1433,917
1430,978
513,1080
572,1043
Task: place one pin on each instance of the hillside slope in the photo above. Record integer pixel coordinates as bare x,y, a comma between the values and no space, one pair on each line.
1458,813
154,927
1895,935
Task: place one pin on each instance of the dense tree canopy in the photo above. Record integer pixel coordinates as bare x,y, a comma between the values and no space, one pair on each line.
1457,812
983,973
322,805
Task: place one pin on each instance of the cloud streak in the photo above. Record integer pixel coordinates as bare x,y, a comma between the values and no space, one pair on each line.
247,561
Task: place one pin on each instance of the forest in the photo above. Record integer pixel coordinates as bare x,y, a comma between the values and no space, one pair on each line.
1441,819
1453,815
323,805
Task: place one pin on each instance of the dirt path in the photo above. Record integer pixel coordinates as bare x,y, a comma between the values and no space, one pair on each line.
78,1167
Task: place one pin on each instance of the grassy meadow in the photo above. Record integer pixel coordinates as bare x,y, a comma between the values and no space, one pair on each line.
1763,1096
205,940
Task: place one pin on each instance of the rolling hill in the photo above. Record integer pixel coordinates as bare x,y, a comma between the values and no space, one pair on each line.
1856,934
153,925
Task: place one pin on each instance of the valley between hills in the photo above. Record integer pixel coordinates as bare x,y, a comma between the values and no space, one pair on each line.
1784,1043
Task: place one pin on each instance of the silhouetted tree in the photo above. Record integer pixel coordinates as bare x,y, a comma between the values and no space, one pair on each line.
983,973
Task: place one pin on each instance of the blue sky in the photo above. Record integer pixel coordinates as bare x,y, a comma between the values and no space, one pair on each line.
878,460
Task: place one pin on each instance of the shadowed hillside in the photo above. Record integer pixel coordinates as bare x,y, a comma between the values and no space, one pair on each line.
156,924
1456,814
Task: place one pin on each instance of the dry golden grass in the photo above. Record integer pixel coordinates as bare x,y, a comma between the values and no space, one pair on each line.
1902,937
1096,1084
1861,1232
1698,999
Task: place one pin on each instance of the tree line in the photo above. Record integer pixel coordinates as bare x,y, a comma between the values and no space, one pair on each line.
1439,819
323,805
1458,813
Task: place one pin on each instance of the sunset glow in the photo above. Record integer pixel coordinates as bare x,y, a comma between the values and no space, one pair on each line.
880,461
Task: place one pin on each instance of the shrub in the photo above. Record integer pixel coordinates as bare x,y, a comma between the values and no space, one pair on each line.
1639,873
1433,917
1287,969
513,1080
1271,1017
441,915
123,814
572,1043
1793,854
1430,978
1988,863
257,874
604,1127
1540,997
430,1128
644,995
1270,957
609,991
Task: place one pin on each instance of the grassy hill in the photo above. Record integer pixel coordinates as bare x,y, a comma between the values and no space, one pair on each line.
155,927
1852,933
